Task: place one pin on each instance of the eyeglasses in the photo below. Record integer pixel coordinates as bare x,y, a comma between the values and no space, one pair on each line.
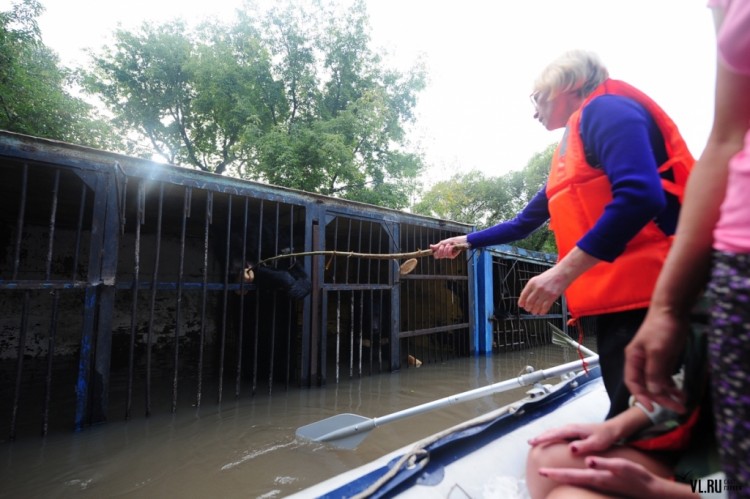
536,100
535,97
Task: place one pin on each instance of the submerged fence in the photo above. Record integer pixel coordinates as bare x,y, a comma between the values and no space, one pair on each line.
512,327
135,283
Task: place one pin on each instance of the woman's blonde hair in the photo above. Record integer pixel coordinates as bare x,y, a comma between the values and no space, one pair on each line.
576,70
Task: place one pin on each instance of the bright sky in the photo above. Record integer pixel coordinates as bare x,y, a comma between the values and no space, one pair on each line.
482,58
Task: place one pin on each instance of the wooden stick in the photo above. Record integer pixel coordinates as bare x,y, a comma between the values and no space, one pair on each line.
349,254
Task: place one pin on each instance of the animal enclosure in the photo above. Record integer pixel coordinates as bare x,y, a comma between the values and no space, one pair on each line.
141,286
129,287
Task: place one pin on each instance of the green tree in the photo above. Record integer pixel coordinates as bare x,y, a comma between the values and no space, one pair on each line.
292,96
35,92
344,132
474,198
465,197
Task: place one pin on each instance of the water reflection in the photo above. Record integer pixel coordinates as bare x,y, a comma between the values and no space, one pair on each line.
247,448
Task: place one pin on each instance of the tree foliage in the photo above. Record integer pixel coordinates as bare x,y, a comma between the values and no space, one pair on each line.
293,96
35,95
476,199
465,197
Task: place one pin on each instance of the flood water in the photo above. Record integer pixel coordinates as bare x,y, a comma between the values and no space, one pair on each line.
247,448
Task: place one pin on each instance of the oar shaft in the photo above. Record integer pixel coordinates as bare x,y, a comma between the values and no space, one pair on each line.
503,386
364,425
558,333
570,341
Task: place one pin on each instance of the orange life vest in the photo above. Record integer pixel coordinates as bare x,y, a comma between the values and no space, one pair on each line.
676,439
577,194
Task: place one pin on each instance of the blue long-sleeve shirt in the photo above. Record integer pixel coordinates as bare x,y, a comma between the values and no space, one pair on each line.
622,139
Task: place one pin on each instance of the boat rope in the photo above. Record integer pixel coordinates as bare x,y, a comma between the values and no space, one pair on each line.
420,449
410,459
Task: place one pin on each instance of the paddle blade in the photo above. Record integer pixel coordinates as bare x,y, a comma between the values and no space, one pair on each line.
342,430
561,339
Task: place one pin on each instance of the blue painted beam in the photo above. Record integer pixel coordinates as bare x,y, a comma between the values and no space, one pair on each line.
483,301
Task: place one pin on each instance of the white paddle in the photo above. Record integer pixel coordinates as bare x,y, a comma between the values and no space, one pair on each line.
348,430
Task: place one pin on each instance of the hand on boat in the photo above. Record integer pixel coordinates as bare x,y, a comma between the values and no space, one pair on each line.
449,248
583,438
619,476
651,358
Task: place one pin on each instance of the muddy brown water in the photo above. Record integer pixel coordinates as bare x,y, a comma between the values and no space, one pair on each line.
247,448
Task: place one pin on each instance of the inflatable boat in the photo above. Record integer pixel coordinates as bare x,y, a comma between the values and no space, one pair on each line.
482,457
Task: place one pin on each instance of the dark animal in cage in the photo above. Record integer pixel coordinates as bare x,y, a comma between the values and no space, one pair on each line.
286,275
262,316
374,318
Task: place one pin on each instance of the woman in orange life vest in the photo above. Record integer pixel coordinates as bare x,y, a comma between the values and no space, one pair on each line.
613,198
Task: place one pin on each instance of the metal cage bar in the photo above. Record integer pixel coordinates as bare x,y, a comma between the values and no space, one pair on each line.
83,224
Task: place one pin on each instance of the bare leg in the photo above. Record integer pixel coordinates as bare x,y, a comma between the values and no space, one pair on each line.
573,492
558,455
